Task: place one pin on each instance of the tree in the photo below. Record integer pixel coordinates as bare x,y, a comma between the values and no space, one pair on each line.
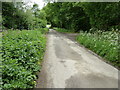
104,15
67,15
16,16
40,17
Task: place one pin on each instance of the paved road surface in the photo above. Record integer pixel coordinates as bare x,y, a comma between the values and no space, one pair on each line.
67,65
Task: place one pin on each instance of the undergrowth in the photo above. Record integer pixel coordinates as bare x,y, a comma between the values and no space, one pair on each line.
22,53
104,44
63,30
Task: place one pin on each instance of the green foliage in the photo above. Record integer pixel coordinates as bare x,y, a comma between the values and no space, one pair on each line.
22,53
104,44
19,16
67,15
83,15
15,16
40,19
43,30
103,15
63,30
35,9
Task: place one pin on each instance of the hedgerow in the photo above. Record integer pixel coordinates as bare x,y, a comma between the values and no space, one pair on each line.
104,44
23,52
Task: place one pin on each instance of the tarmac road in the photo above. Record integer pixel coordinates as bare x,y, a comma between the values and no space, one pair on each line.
68,65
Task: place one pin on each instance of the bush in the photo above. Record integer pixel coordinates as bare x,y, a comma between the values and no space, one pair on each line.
22,53
104,44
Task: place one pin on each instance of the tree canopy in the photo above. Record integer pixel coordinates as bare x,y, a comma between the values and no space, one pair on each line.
75,16
83,15
20,16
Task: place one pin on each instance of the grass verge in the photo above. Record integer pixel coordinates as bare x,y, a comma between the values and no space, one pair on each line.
63,30
104,44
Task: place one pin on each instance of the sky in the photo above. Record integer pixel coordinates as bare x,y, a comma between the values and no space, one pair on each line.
39,2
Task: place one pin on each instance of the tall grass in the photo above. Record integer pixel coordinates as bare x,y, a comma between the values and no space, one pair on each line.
104,44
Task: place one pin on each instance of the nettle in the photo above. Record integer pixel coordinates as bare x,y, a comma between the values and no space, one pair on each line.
22,53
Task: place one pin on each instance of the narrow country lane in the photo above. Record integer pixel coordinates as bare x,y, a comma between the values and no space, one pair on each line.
68,65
